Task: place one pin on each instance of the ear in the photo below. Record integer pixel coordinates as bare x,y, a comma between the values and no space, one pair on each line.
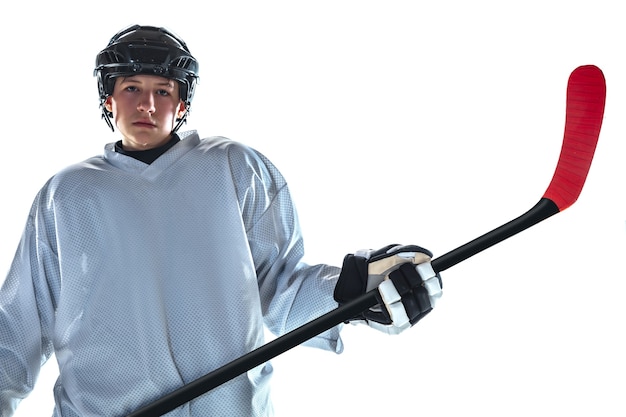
182,108
107,104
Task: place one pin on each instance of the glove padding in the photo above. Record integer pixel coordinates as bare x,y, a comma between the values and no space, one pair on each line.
408,287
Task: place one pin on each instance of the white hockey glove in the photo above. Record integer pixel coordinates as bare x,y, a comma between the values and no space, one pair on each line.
408,287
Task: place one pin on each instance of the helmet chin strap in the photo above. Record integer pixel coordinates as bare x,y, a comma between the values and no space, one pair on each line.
107,119
182,120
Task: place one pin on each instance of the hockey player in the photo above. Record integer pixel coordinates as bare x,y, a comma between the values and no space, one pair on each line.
162,259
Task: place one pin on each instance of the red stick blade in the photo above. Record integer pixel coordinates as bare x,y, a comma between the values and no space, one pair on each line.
586,92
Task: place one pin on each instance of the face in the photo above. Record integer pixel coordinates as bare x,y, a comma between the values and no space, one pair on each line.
145,109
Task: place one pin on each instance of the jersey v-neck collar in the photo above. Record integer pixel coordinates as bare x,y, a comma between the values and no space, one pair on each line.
188,140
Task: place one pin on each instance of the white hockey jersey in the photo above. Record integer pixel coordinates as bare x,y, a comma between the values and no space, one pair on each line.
141,278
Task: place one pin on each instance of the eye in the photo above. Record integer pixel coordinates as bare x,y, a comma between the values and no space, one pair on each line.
163,92
131,89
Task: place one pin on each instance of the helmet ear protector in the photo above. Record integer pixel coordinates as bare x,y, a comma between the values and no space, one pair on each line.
146,50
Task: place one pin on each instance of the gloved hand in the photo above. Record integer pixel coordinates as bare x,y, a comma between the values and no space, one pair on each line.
408,287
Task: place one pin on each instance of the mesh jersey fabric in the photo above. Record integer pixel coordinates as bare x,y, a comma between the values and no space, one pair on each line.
141,278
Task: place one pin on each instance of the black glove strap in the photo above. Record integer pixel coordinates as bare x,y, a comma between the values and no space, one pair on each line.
352,280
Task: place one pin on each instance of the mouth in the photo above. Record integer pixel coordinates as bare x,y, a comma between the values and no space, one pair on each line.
144,123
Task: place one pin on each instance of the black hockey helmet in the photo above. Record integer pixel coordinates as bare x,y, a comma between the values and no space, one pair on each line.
146,50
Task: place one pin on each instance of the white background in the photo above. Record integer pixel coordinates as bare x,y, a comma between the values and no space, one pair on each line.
394,121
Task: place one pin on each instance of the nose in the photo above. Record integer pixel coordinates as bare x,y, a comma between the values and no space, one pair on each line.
146,103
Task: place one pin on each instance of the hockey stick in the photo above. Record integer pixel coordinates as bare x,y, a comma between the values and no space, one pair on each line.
584,112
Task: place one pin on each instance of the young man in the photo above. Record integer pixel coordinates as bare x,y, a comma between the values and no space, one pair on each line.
149,266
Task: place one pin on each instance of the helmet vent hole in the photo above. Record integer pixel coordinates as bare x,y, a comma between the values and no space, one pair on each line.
183,62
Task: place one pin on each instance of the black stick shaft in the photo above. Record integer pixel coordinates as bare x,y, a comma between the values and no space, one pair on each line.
541,211
256,357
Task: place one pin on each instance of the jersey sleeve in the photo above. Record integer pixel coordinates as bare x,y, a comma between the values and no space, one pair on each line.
292,292
25,317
